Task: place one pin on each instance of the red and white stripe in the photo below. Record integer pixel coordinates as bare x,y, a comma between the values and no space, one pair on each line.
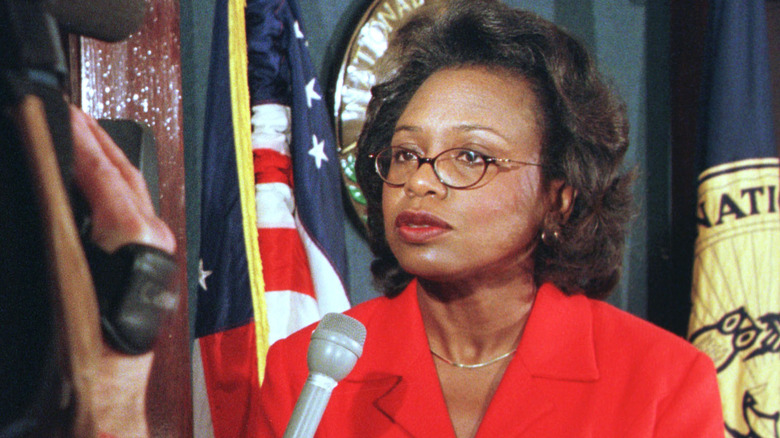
300,283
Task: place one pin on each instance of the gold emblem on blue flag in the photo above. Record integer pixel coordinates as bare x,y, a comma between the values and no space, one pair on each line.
736,290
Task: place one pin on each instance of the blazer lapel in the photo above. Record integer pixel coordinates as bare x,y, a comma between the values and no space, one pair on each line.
416,404
517,403
399,370
557,344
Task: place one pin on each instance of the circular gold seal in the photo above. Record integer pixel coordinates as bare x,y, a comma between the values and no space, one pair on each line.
353,85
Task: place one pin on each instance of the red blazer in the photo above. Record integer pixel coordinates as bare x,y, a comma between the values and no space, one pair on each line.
583,369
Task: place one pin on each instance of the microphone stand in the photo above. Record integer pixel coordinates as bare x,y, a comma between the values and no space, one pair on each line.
36,132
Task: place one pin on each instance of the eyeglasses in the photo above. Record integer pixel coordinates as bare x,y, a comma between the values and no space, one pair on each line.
457,168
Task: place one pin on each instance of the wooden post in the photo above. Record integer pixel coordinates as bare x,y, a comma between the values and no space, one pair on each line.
140,79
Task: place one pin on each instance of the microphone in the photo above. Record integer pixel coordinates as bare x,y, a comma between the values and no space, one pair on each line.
335,346
106,20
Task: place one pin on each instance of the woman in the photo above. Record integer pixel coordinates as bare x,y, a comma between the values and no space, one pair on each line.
490,159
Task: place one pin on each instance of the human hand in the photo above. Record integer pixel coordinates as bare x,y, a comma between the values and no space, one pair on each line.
121,209
121,213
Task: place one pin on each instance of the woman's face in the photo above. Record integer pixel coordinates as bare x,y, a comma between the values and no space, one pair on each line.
487,232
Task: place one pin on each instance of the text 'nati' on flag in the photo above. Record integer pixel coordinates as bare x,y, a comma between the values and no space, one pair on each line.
736,288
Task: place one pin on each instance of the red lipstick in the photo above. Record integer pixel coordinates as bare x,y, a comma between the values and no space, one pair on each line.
419,226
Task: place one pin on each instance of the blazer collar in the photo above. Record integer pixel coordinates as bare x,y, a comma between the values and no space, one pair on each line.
557,344
558,339
401,369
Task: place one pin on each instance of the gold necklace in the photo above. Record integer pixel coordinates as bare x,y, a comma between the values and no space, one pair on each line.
476,365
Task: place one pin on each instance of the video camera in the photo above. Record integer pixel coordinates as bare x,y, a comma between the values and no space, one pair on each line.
40,208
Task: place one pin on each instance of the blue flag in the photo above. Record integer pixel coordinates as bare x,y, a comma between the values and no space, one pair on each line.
736,286
737,119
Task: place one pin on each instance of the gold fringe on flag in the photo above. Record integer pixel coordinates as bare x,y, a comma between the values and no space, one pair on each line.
239,92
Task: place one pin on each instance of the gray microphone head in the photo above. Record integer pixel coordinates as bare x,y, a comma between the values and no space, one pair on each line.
106,20
336,345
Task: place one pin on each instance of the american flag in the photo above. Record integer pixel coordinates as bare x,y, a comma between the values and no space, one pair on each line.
285,178
294,147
